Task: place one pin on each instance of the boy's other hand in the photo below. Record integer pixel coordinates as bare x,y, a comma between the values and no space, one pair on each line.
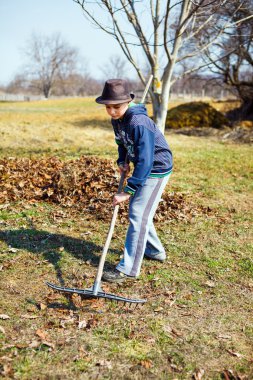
119,198
124,169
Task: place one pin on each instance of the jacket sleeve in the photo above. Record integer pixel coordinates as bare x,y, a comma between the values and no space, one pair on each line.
144,146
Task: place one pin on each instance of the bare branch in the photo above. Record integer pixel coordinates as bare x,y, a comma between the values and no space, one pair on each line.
133,19
165,32
202,66
239,21
156,29
92,18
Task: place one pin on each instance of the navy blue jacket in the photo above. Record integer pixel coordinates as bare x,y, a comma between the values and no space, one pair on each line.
139,138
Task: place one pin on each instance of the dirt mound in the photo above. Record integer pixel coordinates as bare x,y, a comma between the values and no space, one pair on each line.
88,184
195,115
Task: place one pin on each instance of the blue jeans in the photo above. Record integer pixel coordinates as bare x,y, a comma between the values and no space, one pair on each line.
141,236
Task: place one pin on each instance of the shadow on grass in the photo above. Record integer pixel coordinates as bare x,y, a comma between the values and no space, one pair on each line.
47,244
96,123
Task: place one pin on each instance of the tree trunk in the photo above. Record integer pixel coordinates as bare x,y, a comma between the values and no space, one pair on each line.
46,90
160,115
245,93
160,104
247,109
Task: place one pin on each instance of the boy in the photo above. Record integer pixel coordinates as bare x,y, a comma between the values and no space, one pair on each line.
140,142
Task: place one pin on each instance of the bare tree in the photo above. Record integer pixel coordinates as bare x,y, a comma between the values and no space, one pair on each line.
17,85
49,58
166,32
235,66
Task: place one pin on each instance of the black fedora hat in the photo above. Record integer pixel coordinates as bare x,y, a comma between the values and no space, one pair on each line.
115,91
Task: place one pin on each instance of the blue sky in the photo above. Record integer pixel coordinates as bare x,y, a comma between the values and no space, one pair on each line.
20,18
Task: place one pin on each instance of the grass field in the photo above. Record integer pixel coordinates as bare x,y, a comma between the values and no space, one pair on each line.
197,323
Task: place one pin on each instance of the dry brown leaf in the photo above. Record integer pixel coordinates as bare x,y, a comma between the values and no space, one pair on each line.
21,345
2,330
167,329
210,284
92,322
233,353
76,298
12,250
42,334
182,306
7,346
34,344
4,316
104,363
7,370
32,308
6,358
224,336
49,344
82,354
82,324
198,374
176,332
157,310
29,316
228,374
175,368
146,363
67,321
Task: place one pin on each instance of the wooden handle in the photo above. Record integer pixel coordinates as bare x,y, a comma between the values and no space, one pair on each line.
146,89
121,182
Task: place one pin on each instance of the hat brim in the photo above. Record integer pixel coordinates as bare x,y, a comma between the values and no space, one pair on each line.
101,100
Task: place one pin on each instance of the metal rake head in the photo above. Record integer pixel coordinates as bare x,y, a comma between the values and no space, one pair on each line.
89,293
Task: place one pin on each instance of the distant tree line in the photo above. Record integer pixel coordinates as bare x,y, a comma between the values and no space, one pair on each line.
54,68
74,84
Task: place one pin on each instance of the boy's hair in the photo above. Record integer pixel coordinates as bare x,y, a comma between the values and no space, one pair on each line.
115,91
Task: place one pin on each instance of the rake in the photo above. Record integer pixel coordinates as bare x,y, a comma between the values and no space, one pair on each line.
96,291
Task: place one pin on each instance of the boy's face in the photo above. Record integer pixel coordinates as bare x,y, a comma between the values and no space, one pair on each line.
116,111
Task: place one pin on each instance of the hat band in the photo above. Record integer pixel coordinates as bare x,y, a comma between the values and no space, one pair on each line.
114,100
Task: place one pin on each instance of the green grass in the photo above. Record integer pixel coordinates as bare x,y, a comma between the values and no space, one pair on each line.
199,309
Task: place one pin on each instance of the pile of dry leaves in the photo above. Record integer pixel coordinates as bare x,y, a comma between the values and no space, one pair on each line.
87,184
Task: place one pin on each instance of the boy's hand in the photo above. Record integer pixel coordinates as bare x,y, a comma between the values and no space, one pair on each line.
119,198
124,169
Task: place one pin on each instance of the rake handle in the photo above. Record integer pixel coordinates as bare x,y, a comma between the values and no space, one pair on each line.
96,286
146,89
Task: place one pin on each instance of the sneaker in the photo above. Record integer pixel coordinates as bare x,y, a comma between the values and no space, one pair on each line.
114,276
158,257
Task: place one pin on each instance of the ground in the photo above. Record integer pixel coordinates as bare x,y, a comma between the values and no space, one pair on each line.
197,321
